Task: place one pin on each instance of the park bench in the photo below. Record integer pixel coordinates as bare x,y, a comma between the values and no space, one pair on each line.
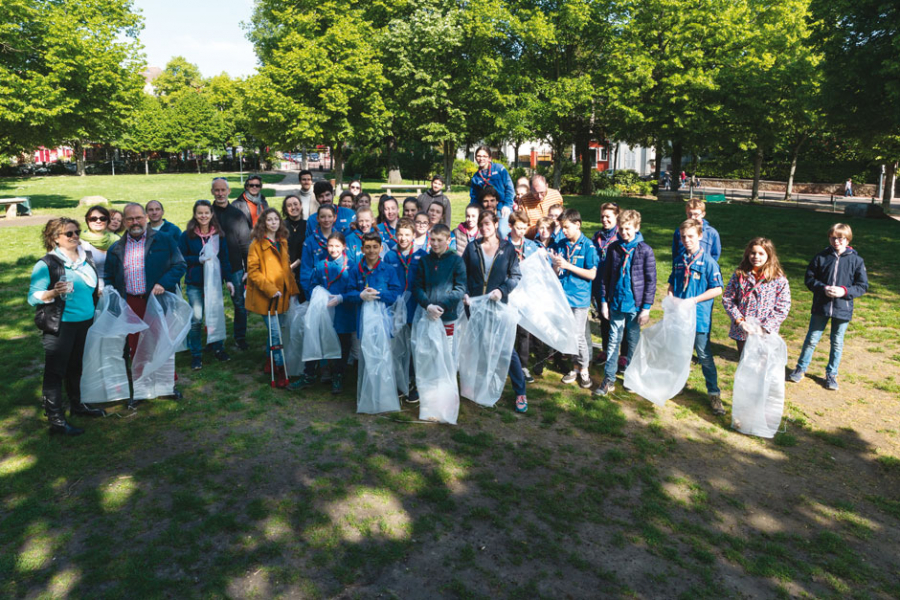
12,206
715,198
395,187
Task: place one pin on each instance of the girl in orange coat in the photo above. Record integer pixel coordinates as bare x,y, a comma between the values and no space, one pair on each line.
270,281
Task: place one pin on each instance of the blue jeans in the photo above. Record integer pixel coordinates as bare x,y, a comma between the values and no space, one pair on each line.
195,336
237,300
516,376
621,325
703,348
816,329
503,225
279,356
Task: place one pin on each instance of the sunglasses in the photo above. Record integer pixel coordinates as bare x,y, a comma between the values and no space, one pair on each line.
253,185
70,234
98,219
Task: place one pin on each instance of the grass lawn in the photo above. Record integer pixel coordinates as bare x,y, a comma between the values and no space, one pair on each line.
243,491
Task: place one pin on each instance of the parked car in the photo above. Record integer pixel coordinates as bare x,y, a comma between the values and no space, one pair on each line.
313,156
25,170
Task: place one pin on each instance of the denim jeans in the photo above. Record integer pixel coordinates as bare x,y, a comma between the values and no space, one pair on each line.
194,340
237,300
703,347
503,225
279,356
621,325
817,325
516,376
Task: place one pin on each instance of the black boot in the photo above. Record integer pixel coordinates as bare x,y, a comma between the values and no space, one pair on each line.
57,418
78,408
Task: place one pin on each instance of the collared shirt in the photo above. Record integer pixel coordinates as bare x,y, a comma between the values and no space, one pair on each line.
704,274
581,254
135,277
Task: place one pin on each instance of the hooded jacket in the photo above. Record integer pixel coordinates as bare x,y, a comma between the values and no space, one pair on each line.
847,270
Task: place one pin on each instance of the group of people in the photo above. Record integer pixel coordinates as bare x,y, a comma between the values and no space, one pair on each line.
408,254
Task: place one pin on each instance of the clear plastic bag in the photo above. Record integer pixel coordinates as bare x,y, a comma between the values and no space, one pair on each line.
293,337
485,350
213,299
168,319
376,388
543,309
662,360
401,348
104,373
758,399
435,370
320,340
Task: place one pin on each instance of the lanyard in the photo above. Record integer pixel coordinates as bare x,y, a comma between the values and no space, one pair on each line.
328,281
688,265
365,271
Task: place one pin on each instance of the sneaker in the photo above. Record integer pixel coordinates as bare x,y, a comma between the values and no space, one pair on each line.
584,381
222,356
413,397
304,381
242,345
600,358
538,371
570,377
715,401
623,364
796,376
528,377
196,363
337,385
606,387
831,382
521,404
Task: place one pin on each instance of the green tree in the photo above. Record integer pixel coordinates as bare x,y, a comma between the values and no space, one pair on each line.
69,72
193,124
178,75
148,130
226,95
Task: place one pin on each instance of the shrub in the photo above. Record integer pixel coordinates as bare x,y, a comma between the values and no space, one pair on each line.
463,170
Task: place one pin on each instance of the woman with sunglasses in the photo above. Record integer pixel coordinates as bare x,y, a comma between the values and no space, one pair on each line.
64,286
98,238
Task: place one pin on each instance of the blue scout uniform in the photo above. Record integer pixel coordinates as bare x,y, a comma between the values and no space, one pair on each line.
341,278
382,277
710,242
525,249
582,254
388,235
405,267
315,250
703,274
342,220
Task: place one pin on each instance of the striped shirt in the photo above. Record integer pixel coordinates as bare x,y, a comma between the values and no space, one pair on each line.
135,277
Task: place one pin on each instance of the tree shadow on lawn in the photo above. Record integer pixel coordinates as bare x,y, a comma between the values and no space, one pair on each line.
280,494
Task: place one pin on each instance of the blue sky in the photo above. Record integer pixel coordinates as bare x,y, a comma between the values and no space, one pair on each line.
208,34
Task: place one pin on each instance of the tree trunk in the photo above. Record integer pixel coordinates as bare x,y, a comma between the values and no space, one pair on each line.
583,147
147,165
449,149
303,159
197,161
657,167
516,150
789,190
79,157
337,161
677,152
757,169
394,176
890,186
557,163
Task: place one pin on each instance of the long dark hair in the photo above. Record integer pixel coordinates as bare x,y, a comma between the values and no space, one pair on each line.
488,215
193,225
384,200
259,230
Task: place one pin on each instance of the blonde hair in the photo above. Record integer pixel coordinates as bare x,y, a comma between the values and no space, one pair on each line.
695,204
843,229
691,223
630,217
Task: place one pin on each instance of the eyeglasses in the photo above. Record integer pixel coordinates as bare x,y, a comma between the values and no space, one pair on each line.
74,233
254,185
98,219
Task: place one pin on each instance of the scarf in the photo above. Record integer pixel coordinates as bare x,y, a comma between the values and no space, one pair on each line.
205,237
79,266
100,241
252,198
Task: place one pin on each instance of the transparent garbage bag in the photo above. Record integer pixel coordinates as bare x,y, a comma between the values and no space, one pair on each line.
168,319
213,299
435,370
293,336
320,340
104,373
459,328
485,350
376,388
401,349
543,309
758,398
662,360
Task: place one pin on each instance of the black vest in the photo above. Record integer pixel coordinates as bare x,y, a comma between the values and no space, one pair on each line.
47,317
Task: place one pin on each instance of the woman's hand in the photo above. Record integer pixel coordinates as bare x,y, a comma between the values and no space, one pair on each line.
58,289
276,295
230,287
434,312
295,264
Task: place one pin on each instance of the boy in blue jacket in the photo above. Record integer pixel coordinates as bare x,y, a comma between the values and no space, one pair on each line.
440,280
627,290
710,242
696,276
835,276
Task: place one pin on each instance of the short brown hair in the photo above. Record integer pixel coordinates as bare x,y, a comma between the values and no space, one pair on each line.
630,217
610,206
695,204
518,217
405,223
570,216
691,223
843,229
53,229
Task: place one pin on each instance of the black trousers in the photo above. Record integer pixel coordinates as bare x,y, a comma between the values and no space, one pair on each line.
63,353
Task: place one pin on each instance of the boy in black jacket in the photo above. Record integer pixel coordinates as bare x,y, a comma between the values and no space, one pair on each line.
440,280
835,276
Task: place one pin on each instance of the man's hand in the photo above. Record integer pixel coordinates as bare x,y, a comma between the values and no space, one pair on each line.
369,294
434,312
496,295
834,291
604,310
230,287
643,317
466,300
157,290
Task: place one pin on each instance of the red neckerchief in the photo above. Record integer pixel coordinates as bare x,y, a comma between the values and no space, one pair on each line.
741,280
320,239
386,228
604,245
688,265
328,281
365,271
405,262
520,249
570,252
628,254
486,180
